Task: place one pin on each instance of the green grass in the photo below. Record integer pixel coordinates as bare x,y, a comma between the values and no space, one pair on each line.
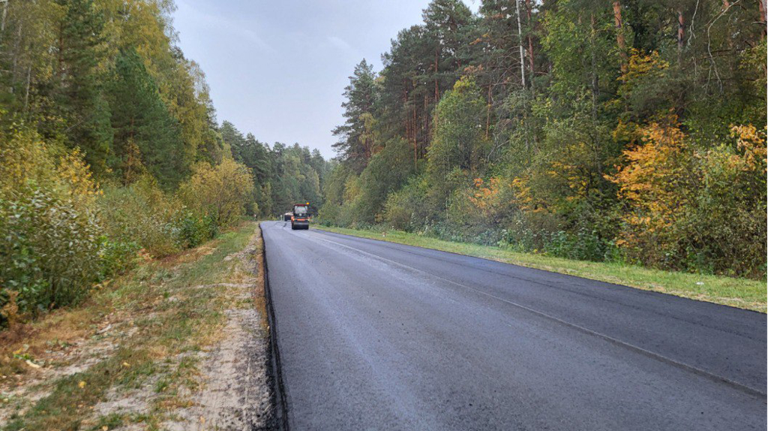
155,359
735,292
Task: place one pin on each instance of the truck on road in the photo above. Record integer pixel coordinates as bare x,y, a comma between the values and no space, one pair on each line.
300,217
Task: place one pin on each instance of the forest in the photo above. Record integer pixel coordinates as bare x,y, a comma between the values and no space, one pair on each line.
628,131
111,152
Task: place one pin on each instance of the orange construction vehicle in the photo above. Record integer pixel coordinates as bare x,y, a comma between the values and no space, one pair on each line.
300,217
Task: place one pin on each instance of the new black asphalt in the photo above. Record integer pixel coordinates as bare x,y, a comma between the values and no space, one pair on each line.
376,335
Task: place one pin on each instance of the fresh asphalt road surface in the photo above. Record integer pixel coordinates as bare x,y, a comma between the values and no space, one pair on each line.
375,335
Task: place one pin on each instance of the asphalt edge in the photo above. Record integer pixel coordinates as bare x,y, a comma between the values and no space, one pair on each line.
278,387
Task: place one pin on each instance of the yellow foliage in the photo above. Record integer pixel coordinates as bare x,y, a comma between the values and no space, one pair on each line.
525,197
25,160
487,197
643,66
573,174
218,191
752,143
651,180
351,189
628,132
77,176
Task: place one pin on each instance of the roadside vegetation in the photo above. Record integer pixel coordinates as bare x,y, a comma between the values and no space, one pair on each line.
110,152
627,132
134,352
735,292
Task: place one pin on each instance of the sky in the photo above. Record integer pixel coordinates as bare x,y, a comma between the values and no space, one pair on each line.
278,68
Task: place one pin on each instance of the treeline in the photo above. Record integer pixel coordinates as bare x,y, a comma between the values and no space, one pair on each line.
629,131
284,175
110,151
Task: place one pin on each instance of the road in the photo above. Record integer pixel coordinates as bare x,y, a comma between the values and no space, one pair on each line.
376,335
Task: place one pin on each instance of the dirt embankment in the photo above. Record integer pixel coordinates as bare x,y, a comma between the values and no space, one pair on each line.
179,344
236,391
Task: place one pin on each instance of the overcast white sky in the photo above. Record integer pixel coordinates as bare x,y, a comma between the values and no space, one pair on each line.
277,68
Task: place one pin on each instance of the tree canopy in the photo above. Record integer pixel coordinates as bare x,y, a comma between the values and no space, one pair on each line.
584,129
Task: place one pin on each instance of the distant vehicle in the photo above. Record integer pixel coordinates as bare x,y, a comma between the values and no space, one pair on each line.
300,217
287,216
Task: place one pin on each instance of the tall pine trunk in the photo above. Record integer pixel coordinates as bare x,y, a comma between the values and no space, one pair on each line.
761,4
488,113
680,34
594,83
620,41
530,42
437,87
415,141
520,39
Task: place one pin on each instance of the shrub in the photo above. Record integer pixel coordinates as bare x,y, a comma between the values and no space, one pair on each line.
51,241
51,251
143,214
218,191
195,229
117,256
407,208
585,244
725,223
692,209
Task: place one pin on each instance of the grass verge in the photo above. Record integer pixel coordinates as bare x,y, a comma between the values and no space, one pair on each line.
133,345
735,292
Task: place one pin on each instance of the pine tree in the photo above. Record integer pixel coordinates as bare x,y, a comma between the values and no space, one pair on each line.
78,98
355,146
142,122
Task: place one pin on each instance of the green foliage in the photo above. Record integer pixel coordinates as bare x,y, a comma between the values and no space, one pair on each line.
51,249
146,136
458,147
97,93
387,171
51,240
294,178
543,143
77,95
358,200
406,209
356,145
195,230
145,215
281,176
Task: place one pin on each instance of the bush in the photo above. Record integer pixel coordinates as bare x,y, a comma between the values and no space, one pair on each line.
117,256
51,250
51,241
148,218
724,227
60,234
143,214
407,208
692,209
584,245
218,191
195,229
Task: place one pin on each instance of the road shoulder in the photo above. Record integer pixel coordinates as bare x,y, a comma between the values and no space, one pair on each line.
180,343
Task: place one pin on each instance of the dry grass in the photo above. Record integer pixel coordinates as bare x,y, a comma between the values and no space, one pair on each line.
141,335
